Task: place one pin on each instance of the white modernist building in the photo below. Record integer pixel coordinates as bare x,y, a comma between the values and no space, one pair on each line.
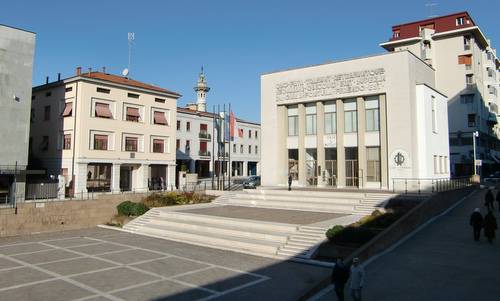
197,142
366,122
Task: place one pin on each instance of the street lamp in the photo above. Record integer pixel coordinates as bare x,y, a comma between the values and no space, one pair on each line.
474,135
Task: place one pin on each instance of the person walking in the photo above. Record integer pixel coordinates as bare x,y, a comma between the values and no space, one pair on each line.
476,221
490,226
357,279
498,199
289,182
488,200
340,274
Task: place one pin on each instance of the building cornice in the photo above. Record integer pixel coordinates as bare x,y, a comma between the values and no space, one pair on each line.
386,45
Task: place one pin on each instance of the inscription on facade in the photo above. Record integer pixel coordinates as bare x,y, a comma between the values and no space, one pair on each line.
332,85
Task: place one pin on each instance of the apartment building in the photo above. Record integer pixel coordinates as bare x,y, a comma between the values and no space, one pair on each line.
104,132
198,147
17,48
467,70
367,123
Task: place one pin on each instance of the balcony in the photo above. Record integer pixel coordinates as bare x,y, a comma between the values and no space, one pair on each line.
204,153
204,135
468,67
467,47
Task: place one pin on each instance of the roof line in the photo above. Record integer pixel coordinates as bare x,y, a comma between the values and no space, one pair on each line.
13,27
435,18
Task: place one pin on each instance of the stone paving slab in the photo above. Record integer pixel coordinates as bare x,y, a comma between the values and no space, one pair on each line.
267,215
45,256
131,256
23,248
164,290
99,248
171,266
114,279
56,290
21,276
5,264
76,266
71,242
218,279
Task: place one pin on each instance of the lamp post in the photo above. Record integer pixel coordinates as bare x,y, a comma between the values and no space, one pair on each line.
474,135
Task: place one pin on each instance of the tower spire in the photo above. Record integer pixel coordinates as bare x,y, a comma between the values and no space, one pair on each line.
201,90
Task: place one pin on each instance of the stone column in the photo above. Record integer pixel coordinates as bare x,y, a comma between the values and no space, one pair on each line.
170,177
143,177
192,166
282,150
320,145
115,177
80,184
384,155
362,166
245,168
302,149
210,167
340,144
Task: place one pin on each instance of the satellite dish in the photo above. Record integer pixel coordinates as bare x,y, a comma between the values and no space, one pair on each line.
125,72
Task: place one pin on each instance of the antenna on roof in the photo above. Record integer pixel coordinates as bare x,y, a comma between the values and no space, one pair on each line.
131,38
431,6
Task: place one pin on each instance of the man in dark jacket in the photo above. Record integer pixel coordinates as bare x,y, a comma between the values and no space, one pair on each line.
490,226
488,200
340,274
476,221
498,199
289,182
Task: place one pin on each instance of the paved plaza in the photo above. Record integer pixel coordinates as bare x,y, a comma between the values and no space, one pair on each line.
440,263
101,264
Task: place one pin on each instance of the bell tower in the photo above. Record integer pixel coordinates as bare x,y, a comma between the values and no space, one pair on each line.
201,92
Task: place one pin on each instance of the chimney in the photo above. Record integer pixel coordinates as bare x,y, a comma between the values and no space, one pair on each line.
78,70
58,76
103,69
46,80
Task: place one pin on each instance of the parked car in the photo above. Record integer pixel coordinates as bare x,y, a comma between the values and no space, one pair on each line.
252,182
494,177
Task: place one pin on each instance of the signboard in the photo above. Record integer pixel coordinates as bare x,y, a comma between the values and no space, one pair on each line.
479,162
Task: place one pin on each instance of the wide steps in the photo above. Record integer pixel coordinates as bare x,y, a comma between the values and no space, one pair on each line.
213,240
304,205
310,199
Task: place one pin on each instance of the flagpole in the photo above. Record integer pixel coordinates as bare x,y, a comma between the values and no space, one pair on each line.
213,145
229,146
224,149
218,146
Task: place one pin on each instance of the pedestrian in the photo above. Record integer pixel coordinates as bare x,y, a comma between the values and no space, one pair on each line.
289,182
488,200
476,221
340,274
498,199
357,279
490,226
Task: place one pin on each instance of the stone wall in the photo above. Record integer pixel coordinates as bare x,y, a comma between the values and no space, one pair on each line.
60,215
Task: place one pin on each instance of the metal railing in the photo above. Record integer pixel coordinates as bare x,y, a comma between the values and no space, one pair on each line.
205,135
428,186
204,153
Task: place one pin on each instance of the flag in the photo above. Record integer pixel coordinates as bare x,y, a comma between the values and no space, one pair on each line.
232,125
227,134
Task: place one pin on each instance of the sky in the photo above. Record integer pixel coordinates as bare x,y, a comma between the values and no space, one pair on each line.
236,41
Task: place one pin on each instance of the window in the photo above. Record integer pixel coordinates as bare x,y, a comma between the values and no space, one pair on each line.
460,21
102,110
372,114
330,118
102,90
241,149
159,118
158,145
471,120
467,98
293,121
249,149
311,119
133,114
66,141
469,79
489,56
131,144
465,59
256,149
48,94
98,177
178,125
203,148
68,109
177,144
101,142
133,95
350,116
44,146
46,113
467,42
234,148
427,26
256,134
249,133
434,114
436,167
491,72
68,89
373,164
160,100
396,34
188,126
188,146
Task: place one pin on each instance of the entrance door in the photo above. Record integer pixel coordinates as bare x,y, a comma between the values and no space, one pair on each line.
125,178
331,172
351,167
312,172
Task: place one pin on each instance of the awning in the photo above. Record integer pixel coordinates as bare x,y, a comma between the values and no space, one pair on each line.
133,112
68,109
160,118
102,110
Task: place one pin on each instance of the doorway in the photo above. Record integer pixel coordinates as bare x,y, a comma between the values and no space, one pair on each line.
125,178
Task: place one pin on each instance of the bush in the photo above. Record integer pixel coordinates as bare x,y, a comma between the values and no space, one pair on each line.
332,232
353,235
174,198
138,209
125,208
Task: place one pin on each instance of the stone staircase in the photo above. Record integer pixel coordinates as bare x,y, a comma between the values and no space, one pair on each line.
320,201
240,235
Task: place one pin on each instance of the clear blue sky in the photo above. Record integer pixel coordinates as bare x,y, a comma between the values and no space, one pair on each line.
235,40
